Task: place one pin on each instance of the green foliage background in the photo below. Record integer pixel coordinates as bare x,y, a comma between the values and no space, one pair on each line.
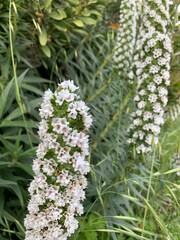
44,42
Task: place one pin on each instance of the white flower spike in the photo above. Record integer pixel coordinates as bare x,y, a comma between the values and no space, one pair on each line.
152,63
57,191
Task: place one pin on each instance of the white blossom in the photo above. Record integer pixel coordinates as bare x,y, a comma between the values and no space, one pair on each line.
152,63
124,49
57,190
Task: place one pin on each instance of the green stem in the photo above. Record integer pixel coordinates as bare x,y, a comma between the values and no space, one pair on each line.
148,192
15,75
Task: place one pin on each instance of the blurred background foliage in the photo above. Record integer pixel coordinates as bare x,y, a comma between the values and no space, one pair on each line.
43,42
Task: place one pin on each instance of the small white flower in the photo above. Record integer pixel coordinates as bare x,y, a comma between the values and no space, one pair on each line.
141,104
157,107
154,69
151,87
152,98
157,79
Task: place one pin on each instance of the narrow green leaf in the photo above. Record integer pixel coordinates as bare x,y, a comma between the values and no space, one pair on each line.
9,146
28,153
128,233
157,218
174,170
82,32
1,201
27,168
4,97
158,236
32,88
13,219
4,164
129,197
126,218
17,113
173,195
33,79
3,224
75,2
7,183
19,123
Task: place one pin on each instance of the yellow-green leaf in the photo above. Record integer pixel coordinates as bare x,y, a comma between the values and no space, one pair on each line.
46,50
43,37
59,14
75,2
91,2
78,23
47,4
89,21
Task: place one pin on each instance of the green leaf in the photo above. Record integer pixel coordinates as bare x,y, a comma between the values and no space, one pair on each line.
62,13
59,14
126,218
75,2
89,21
78,23
33,79
47,4
168,172
13,219
28,153
125,232
46,50
4,96
12,183
9,146
157,218
27,168
80,31
19,123
6,183
32,88
1,201
43,37
94,12
91,2
4,164
31,105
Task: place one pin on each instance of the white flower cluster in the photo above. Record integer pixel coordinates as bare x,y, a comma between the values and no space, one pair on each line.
156,15
57,190
152,70
126,37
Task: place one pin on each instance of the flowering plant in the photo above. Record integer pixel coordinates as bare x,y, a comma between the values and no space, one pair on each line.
152,63
126,37
151,98
59,182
